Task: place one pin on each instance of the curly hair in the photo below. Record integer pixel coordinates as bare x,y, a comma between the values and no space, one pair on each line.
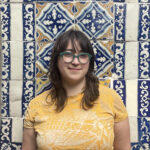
58,93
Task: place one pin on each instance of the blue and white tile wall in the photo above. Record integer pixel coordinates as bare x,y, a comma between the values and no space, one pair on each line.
120,34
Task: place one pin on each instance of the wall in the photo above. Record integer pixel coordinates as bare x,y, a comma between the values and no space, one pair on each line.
119,31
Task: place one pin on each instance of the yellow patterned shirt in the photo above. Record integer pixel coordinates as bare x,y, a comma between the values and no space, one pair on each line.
75,128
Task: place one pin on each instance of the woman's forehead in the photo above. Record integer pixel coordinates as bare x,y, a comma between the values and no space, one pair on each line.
73,45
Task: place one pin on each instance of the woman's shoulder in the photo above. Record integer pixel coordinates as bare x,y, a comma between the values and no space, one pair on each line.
105,89
40,98
107,93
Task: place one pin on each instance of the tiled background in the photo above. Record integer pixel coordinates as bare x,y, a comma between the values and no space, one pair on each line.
120,33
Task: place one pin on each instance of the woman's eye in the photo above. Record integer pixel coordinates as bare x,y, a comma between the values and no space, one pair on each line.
83,56
68,54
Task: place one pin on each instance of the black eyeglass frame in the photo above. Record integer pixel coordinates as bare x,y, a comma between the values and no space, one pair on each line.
76,56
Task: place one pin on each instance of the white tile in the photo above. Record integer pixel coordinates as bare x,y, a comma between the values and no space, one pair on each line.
16,57
15,98
16,26
131,60
17,129
131,1
20,1
133,129
131,97
132,17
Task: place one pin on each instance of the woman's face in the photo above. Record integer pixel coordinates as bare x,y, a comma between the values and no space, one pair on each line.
73,72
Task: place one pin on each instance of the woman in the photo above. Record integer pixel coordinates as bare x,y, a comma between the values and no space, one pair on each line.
78,112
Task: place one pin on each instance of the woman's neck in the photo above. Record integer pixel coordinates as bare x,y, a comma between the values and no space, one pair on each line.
73,89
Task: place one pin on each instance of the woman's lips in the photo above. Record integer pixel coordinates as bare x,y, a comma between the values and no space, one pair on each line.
74,69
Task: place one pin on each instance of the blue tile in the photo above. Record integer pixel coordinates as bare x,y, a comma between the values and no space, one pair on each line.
144,60
28,93
144,98
5,99
144,134
95,21
44,50
29,60
120,22
104,59
6,60
120,87
28,22
119,60
53,20
144,1
5,134
16,146
5,21
144,19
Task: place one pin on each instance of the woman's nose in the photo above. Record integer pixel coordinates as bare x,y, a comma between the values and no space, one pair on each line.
75,61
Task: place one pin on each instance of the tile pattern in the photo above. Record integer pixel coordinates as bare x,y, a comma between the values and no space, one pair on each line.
52,19
5,21
6,136
144,19
28,22
119,22
105,23
144,60
95,19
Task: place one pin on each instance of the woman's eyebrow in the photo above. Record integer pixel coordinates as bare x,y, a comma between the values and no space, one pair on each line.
72,50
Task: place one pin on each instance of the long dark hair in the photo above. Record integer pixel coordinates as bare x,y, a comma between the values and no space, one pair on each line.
58,93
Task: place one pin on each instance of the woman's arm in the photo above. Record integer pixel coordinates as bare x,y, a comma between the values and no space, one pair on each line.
122,135
29,139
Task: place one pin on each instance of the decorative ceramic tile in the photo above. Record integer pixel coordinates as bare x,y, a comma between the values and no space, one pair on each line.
95,19
42,85
144,1
144,60
119,60
43,54
20,97
5,112
119,21
29,60
52,19
144,18
104,58
5,21
144,98
138,66
5,60
120,87
11,133
105,82
28,93
28,22
14,52
137,103
144,134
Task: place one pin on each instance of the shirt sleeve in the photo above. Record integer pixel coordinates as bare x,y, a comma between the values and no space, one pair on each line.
120,112
30,115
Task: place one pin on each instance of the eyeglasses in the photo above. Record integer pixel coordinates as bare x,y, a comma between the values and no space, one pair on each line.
83,58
